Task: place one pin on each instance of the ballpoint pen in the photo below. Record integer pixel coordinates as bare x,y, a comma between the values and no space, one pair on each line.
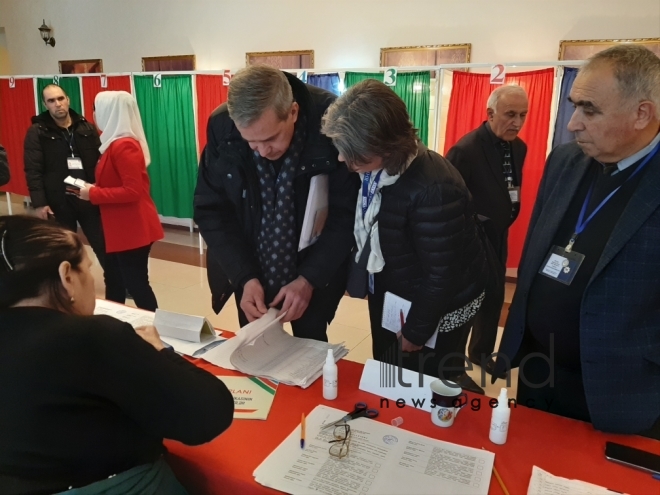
302,431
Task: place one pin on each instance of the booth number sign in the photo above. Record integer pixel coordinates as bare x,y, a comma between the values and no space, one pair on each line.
158,80
389,76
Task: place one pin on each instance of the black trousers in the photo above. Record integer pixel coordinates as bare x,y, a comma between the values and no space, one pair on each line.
133,269
313,324
387,347
486,321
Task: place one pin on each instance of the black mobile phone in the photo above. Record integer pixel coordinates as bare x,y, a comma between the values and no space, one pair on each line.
635,458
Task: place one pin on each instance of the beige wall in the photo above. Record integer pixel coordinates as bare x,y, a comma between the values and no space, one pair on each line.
343,33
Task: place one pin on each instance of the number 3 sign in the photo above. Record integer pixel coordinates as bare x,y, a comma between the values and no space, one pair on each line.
389,76
497,74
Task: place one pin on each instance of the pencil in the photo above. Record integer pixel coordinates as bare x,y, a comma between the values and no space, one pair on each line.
403,321
499,478
302,433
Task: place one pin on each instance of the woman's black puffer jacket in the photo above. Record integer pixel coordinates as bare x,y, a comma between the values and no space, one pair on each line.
428,236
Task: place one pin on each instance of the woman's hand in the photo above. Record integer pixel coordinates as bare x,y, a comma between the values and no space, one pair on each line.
150,335
84,192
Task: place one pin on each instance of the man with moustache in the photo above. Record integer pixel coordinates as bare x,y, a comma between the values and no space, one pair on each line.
490,159
583,324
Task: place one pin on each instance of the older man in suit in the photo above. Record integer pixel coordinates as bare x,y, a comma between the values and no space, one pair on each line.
490,159
584,324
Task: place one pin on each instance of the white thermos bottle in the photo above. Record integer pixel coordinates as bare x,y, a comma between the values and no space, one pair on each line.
330,377
499,421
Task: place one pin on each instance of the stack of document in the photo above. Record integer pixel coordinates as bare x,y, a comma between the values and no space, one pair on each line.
381,460
264,349
186,334
544,483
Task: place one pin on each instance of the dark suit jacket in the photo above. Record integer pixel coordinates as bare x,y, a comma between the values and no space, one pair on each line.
480,163
620,311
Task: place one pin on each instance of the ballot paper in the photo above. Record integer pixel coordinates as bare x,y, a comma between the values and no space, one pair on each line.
316,211
544,483
76,183
264,349
139,317
253,396
393,307
382,460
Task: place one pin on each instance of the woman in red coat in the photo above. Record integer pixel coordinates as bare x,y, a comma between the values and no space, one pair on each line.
128,214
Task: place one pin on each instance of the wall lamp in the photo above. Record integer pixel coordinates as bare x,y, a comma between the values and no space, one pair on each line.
45,34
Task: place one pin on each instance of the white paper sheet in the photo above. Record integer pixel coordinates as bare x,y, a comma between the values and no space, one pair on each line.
316,211
393,306
382,460
544,483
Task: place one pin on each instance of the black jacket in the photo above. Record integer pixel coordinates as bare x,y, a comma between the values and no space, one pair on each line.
480,163
227,205
428,236
4,167
46,153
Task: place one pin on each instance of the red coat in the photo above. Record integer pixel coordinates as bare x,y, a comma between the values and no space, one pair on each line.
128,213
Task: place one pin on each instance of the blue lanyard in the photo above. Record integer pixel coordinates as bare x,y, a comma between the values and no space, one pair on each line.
369,192
582,223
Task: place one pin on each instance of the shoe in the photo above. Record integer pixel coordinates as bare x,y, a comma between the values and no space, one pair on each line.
488,367
467,383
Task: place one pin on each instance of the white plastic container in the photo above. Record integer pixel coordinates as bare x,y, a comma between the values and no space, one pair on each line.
499,421
330,377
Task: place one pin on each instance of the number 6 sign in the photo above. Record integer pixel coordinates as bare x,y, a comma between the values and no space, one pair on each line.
389,76
497,74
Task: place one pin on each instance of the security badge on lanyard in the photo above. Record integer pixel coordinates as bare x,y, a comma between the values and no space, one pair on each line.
368,194
73,162
562,264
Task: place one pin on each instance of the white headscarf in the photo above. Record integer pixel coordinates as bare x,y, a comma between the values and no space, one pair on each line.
118,116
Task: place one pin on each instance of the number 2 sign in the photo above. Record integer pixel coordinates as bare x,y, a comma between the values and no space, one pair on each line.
497,74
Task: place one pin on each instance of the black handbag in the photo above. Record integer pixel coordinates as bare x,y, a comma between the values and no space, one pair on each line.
357,284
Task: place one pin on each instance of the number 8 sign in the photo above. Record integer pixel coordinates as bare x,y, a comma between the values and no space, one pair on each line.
497,74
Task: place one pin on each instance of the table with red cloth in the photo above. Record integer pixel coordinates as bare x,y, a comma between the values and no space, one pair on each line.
561,446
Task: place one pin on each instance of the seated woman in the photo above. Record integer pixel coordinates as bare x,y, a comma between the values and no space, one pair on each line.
128,214
414,213
87,400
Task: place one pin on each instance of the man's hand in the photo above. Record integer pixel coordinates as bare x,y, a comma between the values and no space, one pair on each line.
150,335
84,192
43,212
252,302
296,296
406,345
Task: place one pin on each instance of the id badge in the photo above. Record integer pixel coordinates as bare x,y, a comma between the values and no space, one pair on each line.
514,194
74,163
561,266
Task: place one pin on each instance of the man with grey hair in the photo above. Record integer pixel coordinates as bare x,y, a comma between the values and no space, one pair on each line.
264,148
583,324
490,159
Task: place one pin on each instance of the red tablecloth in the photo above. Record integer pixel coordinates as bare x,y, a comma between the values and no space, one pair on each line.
564,447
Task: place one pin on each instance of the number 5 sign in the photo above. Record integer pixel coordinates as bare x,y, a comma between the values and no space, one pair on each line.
497,74
389,76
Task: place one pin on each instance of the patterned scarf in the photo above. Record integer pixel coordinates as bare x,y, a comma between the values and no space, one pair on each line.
278,236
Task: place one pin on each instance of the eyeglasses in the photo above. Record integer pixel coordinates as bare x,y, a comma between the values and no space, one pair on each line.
342,438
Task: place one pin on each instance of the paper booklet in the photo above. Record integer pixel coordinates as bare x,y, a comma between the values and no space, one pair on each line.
393,306
77,183
139,317
544,483
316,211
253,397
381,460
262,348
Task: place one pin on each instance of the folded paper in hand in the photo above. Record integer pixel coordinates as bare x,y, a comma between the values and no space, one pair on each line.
316,211
264,349
77,183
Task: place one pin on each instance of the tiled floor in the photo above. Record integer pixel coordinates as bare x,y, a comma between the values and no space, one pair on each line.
178,278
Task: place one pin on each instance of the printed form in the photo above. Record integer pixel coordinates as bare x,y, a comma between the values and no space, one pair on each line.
381,460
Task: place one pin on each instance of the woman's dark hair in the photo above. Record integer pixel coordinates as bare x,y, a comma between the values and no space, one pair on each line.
31,251
371,120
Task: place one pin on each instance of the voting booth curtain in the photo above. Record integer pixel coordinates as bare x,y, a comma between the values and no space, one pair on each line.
70,85
91,86
210,95
169,125
414,88
329,82
16,110
467,110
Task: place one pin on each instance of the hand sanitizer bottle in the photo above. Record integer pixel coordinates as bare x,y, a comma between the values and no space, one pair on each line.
330,377
499,422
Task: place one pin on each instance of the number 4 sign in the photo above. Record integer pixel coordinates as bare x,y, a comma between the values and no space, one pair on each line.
497,74
389,76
